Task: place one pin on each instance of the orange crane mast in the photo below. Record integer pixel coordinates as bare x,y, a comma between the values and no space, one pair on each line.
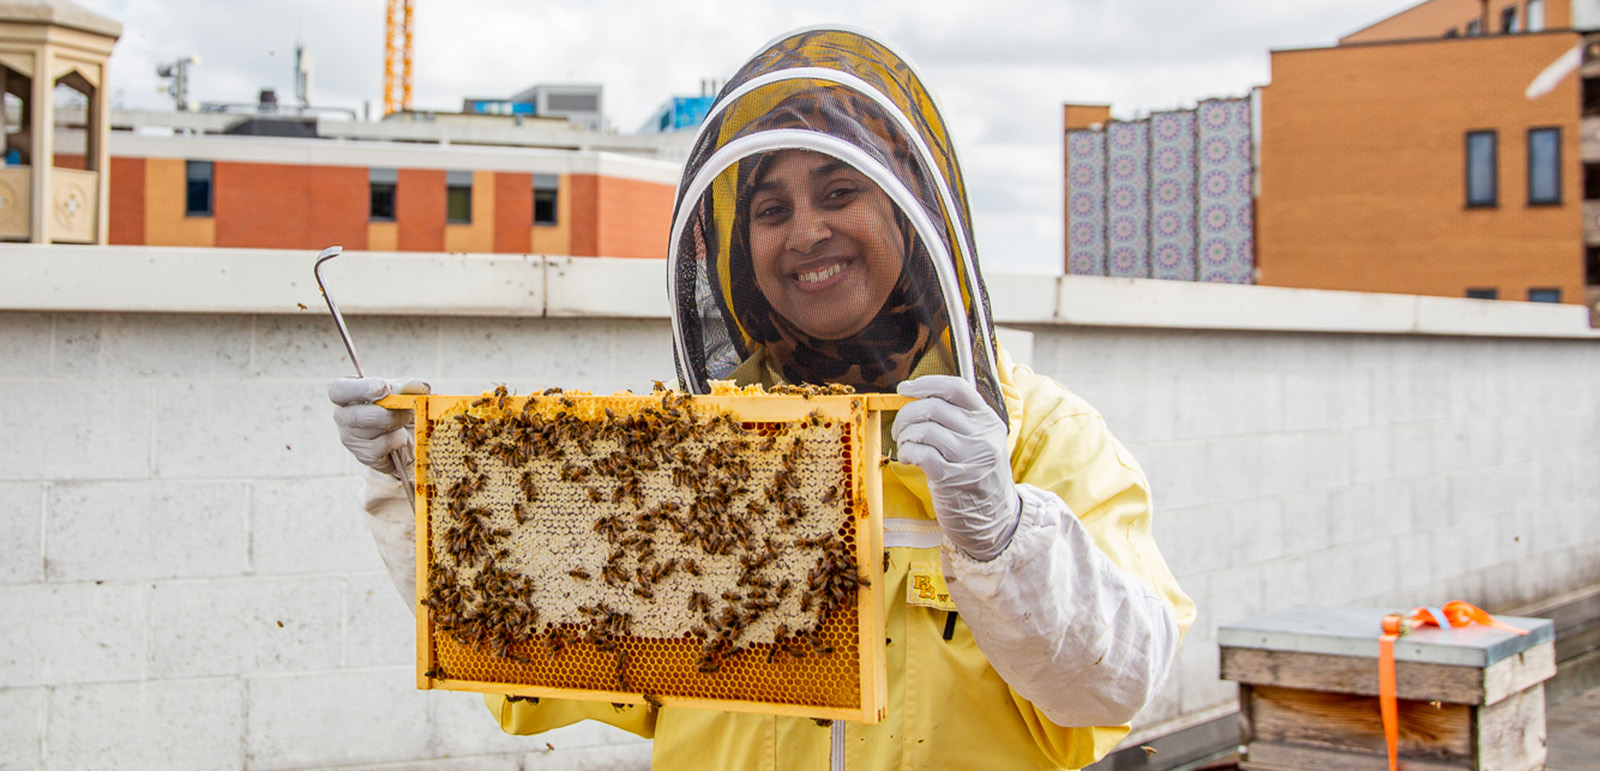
397,43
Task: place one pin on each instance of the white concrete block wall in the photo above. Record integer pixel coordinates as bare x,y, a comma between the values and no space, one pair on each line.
1320,469
190,583
187,579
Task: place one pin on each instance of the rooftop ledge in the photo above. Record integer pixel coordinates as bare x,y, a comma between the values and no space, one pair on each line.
279,281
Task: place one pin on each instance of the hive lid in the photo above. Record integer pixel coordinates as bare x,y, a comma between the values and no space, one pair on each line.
1354,632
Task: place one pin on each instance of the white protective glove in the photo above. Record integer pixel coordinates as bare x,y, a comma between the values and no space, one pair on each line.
371,432
960,444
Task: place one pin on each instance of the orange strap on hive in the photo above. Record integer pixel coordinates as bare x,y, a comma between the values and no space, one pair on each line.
1395,625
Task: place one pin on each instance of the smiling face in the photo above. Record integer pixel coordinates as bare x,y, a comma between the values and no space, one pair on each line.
824,243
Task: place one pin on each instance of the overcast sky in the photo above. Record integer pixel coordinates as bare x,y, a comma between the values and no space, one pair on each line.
1002,68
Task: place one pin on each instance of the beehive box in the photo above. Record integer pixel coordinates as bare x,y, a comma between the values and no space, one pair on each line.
1468,697
720,552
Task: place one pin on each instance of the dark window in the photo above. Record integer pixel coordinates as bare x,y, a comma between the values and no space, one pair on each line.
1483,293
1544,166
1591,96
573,102
382,183
1544,295
1508,20
1591,181
1482,181
1591,265
197,188
1452,32
458,197
1473,28
546,192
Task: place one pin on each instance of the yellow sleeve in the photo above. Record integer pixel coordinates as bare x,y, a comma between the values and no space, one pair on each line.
534,716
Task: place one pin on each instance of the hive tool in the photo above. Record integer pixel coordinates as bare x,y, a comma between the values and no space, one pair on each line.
350,347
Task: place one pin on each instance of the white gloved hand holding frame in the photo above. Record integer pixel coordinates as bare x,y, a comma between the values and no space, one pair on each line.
370,432
960,444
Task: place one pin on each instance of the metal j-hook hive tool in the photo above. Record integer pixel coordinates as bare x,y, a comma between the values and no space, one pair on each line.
344,334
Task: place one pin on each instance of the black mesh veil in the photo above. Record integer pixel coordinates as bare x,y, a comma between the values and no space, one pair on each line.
821,231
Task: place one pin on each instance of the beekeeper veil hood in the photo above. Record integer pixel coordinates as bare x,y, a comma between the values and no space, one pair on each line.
821,232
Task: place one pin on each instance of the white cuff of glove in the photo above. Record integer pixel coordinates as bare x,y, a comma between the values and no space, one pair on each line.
1083,640
393,525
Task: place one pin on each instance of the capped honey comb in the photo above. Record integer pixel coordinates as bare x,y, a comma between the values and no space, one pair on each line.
720,552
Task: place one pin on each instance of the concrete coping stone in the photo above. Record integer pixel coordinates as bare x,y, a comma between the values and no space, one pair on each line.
160,279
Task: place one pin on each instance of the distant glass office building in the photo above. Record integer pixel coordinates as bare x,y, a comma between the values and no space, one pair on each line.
678,114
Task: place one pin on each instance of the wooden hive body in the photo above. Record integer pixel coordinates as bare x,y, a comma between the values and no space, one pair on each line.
719,552
1468,698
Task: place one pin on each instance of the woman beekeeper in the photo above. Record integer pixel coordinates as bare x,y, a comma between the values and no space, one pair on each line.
822,236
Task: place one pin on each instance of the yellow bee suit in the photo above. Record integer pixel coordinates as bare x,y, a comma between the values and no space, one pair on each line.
947,706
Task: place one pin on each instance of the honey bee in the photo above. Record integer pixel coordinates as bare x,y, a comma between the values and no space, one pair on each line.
652,701
579,573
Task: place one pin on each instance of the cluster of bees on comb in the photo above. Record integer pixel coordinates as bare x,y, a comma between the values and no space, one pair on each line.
558,521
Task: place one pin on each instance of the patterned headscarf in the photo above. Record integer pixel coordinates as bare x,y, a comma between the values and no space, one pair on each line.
839,93
876,358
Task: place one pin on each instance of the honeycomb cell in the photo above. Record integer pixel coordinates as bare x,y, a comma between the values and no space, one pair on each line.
643,545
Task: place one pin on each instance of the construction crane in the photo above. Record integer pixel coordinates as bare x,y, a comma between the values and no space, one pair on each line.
401,9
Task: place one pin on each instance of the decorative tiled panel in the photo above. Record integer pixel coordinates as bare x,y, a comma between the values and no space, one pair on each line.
1128,199
1172,195
1226,208
1086,203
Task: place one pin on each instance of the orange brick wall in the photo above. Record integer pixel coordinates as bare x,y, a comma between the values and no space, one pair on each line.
585,195
277,206
513,211
1434,17
165,223
290,206
419,209
127,201
1078,116
635,218
1363,169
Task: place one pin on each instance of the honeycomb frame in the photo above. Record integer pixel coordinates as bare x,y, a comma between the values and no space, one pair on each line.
848,681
